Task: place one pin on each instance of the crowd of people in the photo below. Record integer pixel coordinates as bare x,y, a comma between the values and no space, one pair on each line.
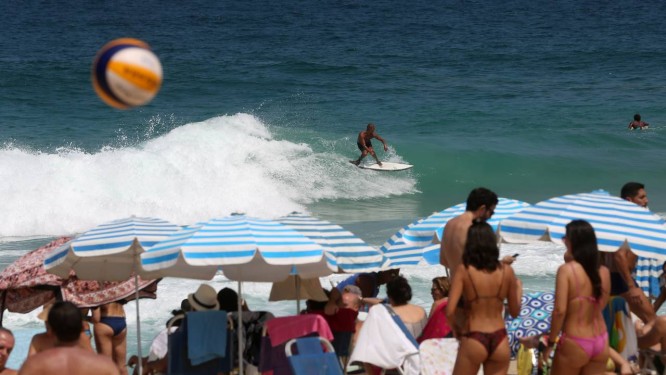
470,304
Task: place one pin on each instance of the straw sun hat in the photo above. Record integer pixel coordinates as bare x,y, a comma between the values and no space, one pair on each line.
205,298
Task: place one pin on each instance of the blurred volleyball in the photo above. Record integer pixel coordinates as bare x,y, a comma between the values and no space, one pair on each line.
126,73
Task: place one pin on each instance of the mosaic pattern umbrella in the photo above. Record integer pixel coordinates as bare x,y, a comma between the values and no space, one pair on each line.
245,248
429,230
534,318
25,285
617,223
350,253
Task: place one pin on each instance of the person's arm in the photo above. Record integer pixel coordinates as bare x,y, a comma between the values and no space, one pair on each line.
515,291
660,300
95,315
560,310
382,141
454,296
333,299
157,366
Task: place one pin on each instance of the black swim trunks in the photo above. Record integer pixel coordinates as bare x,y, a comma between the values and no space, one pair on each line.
368,144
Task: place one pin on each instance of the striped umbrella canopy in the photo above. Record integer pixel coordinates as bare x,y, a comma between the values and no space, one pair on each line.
430,230
350,253
399,253
109,252
245,248
617,223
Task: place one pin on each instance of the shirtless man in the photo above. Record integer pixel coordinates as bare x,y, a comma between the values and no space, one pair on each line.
66,358
47,340
481,204
622,262
363,143
6,347
637,123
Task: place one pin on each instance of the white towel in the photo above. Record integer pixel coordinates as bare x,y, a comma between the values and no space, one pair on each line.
382,343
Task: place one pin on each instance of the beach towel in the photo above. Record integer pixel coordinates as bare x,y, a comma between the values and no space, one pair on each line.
437,326
438,356
180,364
385,342
621,332
647,274
207,335
283,329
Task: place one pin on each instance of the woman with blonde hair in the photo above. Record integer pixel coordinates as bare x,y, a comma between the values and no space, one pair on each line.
480,286
438,325
582,288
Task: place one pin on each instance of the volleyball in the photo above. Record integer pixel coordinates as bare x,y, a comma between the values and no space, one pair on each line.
126,73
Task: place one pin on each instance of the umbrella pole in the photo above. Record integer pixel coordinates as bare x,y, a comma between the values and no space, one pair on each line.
238,331
138,322
298,294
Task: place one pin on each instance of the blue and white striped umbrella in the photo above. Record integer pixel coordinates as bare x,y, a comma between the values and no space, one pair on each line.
617,223
350,253
244,248
109,252
430,230
399,253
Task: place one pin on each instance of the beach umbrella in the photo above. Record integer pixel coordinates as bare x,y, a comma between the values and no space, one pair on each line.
536,309
418,242
111,252
244,248
25,285
617,223
343,248
430,230
399,253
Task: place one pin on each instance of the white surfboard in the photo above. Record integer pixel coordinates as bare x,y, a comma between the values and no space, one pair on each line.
387,167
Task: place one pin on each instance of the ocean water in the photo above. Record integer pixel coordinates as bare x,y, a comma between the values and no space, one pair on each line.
262,101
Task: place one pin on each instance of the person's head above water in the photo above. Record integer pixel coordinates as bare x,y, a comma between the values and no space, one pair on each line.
637,117
370,128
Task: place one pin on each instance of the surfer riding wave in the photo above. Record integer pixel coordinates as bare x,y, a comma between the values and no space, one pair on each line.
364,144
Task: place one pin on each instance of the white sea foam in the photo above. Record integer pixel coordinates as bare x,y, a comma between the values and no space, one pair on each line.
196,171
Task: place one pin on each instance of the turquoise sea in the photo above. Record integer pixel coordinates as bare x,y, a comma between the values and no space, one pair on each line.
262,101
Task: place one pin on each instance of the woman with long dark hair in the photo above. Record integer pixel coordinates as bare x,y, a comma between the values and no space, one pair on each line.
581,291
480,286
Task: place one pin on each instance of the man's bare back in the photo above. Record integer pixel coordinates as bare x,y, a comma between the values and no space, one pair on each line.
453,243
68,360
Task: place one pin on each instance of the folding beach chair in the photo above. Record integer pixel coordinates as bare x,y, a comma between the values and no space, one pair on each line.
311,358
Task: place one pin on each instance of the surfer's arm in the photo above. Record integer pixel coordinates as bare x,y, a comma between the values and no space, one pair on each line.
382,141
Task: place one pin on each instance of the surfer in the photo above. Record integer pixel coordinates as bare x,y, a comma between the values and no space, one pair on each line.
637,123
363,143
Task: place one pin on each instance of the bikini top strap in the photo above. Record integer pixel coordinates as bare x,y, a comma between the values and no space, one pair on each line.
499,291
469,274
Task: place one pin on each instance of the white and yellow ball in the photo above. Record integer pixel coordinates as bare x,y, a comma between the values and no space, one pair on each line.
126,73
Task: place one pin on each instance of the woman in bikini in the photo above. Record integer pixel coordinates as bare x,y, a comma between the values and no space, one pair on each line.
110,333
582,288
480,286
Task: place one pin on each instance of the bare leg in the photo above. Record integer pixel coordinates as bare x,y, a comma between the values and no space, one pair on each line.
498,362
120,351
364,153
470,356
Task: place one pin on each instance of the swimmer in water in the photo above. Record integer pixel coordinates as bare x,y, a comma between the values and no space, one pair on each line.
637,123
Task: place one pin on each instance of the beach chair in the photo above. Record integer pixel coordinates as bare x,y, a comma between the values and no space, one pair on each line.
279,331
311,358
